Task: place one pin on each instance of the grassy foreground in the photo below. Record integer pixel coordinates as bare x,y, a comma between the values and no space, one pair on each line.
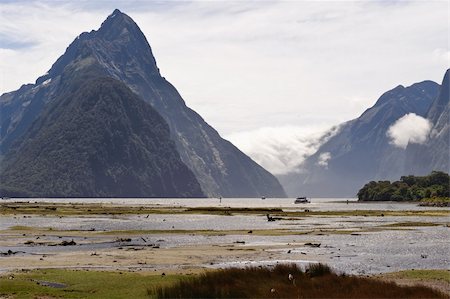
443,275
80,284
288,281
317,281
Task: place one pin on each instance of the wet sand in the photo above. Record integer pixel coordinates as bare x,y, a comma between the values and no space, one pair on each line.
177,239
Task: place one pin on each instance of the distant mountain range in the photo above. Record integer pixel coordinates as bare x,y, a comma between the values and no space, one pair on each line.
363,150
104,122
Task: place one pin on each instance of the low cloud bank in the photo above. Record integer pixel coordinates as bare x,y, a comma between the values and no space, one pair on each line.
410,128
281,150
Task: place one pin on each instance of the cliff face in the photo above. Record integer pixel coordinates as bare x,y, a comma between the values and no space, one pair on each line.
434,154
362,151
119,50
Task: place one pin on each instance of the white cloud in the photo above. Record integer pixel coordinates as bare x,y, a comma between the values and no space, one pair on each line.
323,159
410,128
247,65
281,150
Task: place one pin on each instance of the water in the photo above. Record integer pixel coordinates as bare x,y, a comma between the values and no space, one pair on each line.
374,248
317,204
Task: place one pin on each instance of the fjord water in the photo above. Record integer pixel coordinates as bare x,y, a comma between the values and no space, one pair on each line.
374,248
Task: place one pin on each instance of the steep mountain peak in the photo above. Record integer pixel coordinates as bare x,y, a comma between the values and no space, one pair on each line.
119,24
115,12
119,50
442,101
118,45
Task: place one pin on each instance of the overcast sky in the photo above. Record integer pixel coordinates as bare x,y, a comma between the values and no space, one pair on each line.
268,75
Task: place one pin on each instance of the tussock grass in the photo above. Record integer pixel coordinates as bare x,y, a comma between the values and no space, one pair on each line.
317,281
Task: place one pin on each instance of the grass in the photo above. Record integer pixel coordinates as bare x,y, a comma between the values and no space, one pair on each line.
318,281
21,227
68,209
411,224
81,284
443,275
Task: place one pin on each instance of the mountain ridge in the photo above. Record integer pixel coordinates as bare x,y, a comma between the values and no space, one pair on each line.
120,50
362,151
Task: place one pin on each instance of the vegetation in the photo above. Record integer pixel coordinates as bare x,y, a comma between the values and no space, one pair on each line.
100,140
317,281
409,188
443,275
69,209
80,284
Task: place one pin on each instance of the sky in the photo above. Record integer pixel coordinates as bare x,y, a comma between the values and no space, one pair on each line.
270,76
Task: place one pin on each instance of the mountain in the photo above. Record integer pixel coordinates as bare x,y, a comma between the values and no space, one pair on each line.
434,155
119,50
99,140
361,150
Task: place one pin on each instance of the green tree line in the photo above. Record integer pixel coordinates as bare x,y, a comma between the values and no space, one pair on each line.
408,188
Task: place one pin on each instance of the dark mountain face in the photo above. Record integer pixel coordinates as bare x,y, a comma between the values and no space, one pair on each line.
361,150
119,50
434,155
97,139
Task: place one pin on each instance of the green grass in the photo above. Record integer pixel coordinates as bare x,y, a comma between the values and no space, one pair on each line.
318,281
67,209
21,227
411,224
82,284
443,275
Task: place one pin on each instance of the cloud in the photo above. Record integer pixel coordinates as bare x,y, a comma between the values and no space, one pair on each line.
410,128
281,150
323,159
250,64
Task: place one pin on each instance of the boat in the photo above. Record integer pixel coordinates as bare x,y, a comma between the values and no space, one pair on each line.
302,199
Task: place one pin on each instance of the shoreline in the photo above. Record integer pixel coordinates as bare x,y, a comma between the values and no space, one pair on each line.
188,240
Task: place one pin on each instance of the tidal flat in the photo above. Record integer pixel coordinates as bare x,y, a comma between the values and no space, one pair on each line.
181,238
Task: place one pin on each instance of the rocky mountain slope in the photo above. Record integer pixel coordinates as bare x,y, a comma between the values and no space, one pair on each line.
362,151
119,50
97,139
435,153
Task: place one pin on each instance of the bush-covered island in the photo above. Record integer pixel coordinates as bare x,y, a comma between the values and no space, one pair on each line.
409,188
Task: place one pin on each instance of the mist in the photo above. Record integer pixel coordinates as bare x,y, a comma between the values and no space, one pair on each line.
281,150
